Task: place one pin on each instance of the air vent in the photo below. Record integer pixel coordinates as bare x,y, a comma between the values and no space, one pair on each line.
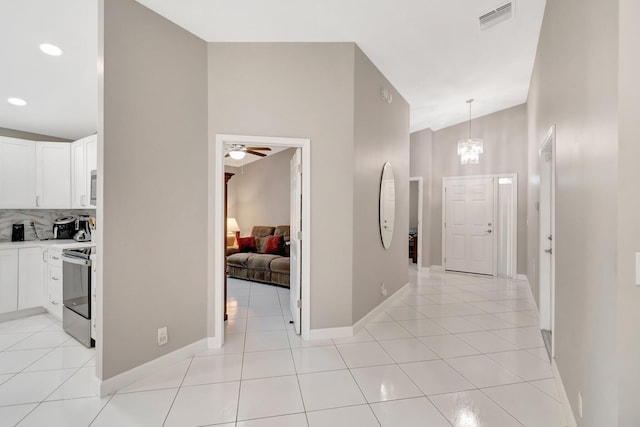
497,15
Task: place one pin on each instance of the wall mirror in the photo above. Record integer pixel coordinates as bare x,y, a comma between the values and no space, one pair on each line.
387,205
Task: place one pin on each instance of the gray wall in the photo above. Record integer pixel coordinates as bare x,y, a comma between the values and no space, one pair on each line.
628,212
259,192
505,151
155,189
574,86
31,136
381,134
420,166
300,90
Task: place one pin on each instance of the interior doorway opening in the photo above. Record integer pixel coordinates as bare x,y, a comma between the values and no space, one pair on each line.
300,242
546,245
416,230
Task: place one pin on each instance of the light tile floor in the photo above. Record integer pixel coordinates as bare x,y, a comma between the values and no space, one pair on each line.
452,350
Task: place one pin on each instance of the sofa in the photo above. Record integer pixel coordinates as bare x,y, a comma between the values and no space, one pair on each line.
267,261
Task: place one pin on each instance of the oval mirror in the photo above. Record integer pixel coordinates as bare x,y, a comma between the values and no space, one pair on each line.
387,205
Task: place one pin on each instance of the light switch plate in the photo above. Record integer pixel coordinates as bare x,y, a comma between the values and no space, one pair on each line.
637,268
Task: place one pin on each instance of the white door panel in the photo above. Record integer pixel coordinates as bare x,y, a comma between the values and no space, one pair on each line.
469,240
295,250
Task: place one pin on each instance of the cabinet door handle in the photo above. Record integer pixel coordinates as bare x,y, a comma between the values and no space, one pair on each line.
55,302
54,278
44,255
37,201
54,257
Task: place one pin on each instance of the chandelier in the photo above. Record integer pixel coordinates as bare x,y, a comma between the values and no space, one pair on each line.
470,149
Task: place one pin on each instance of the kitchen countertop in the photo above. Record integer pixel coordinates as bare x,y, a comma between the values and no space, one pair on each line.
58,243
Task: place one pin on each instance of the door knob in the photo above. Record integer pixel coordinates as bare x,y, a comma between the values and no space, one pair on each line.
489,231
549,251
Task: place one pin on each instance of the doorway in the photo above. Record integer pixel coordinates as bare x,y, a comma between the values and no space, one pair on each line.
216,227
479,224
416,231
546,254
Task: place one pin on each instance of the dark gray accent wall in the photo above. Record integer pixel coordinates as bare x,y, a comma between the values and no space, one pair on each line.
154,145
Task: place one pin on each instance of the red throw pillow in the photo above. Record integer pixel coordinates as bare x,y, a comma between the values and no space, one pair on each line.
274,245
246,244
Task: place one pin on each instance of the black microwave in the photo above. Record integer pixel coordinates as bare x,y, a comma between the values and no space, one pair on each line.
94,187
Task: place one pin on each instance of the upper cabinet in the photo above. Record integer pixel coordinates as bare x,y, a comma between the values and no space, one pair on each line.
53,175
46,175
83,160
17,173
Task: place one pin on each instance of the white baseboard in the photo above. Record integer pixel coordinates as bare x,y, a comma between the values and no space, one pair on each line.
13,315
349,331
328,333
379,309
214,342
521,277
568,412
113,384
437,268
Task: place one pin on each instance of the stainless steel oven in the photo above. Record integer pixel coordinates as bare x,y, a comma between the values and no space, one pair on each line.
76,293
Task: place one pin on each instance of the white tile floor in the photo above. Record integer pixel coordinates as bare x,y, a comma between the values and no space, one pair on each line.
453,350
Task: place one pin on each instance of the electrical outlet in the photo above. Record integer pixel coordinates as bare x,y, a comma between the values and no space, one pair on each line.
580,404
163,336
383,290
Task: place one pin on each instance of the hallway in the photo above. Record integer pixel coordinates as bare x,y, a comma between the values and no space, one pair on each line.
452,350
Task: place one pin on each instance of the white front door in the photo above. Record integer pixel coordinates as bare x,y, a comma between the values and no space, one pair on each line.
469,218
295,282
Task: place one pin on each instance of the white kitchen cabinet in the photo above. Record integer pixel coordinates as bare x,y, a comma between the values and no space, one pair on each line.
54,282
84,159
32,268
53,175
17,173
8,280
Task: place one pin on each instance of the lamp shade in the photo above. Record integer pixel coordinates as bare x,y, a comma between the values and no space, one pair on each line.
232,225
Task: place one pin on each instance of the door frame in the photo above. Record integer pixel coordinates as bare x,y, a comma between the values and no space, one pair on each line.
420,182
514,222
547,304
215,224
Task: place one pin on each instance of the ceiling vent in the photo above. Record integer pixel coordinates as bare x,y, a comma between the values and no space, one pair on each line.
497,15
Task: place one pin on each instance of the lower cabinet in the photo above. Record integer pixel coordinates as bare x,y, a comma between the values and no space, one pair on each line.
32,268
8,280
54,282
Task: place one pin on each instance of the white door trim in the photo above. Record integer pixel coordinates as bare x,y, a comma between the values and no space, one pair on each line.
216,245
549,145
420,182
514,223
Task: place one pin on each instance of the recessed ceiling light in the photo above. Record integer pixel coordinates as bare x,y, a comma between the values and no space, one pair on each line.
50,49
19,102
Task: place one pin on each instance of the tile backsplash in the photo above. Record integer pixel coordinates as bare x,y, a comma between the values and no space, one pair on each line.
42,218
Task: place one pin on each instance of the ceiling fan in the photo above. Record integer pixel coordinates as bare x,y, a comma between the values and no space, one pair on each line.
238,151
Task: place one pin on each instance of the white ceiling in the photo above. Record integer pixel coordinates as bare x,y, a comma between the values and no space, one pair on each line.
61,92
432,51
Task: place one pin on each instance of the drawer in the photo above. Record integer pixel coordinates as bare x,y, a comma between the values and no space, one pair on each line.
54,257
54,301
55,276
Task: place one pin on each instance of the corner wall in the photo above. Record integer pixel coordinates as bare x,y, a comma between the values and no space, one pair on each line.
575,86
154,156
381,134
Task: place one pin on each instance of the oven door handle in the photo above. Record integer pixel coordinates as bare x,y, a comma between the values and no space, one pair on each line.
76,261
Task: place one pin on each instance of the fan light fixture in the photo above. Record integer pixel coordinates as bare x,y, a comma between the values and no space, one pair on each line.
237,154
470,149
